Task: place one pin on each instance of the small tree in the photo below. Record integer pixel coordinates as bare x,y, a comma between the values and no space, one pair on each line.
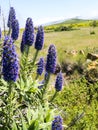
93,24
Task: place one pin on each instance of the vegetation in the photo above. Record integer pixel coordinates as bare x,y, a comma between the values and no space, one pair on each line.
28,99
72,24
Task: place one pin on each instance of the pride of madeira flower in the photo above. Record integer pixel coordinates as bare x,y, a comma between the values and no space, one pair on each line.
22,46
40,67
29,32
39,38
0,33
15,29
12,17
57,123
10,65
59,82
51,59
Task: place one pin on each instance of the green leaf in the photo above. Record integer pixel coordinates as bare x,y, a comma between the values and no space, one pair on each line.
14,126
24,126
34,125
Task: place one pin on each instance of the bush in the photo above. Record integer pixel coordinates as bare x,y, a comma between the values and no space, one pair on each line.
92,32
79,109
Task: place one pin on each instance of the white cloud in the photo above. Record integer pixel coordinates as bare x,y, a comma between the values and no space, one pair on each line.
47,19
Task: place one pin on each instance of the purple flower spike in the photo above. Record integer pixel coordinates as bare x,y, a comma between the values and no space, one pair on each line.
39,38
59,82
10,63
0,33
29,32
40,66
57,123
12,17
51,59
6,40
46,75
22,46
15,29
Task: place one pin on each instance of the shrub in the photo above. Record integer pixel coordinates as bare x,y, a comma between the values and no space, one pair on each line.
92,32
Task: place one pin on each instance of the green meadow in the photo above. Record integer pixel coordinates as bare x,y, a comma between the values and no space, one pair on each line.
77,103
72,40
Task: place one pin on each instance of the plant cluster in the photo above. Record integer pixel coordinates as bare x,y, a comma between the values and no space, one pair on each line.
25,102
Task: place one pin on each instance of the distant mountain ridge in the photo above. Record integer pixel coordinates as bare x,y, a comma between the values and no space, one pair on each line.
68,21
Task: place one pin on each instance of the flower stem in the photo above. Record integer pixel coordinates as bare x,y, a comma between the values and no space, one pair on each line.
45,85
35,56
53,97
24,62
37,76
9,105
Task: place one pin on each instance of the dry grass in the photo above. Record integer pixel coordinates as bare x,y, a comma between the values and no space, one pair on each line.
67,41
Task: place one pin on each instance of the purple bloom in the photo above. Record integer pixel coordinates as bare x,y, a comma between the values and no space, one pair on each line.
59,82
0,33
6,40
12,17
46,75
15,29
22,47
29,32
39,38
40,66
51,59
10,63
57,123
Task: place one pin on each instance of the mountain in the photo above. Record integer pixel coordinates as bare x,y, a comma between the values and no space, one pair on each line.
69,21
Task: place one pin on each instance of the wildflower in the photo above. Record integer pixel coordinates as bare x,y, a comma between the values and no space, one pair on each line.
59,82
10,63
15,29
12,17
39,38
6,39
40,66
29,32
57,123
22,47
46,75
0,33
51,59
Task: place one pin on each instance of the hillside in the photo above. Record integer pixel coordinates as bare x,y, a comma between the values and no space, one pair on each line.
69,24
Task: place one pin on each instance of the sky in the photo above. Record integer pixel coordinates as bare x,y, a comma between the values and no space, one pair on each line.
44,11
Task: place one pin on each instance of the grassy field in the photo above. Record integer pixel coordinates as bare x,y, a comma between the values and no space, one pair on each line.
78,101
68,41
